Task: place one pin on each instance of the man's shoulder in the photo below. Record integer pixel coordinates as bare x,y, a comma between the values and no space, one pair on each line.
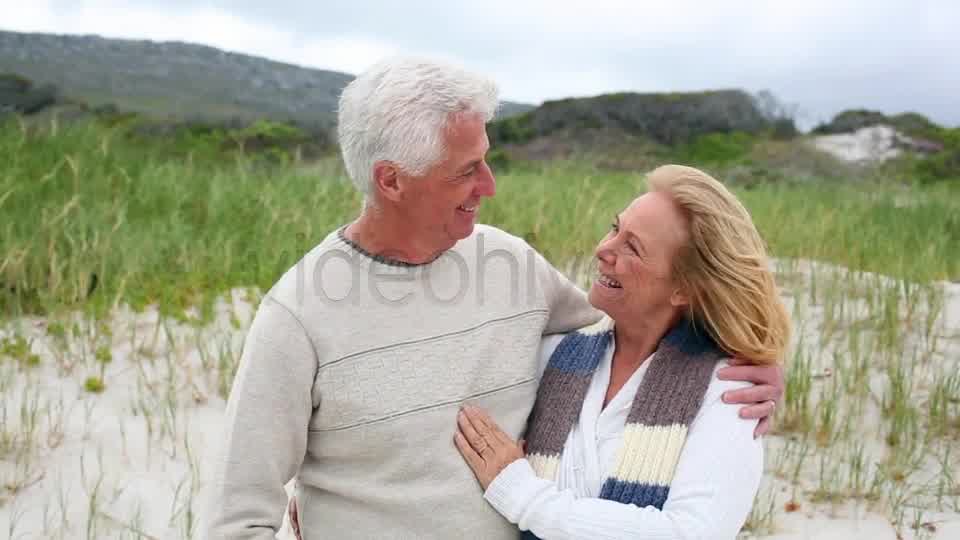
495,233
292,286
494,238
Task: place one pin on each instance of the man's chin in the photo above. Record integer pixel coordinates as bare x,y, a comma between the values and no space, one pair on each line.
462,233
462,230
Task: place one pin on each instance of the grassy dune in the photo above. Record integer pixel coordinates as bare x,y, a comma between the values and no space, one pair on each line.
94,223
178,225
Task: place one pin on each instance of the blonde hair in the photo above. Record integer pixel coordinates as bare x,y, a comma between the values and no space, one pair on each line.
723,267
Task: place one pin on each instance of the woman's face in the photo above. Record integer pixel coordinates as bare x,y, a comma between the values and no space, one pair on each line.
634,261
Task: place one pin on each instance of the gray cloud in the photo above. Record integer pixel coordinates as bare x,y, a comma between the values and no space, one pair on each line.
821,56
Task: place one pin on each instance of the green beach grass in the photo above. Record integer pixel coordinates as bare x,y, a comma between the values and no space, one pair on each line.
92,217
96,218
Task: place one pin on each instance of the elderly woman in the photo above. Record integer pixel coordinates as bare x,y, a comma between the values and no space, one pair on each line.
629,437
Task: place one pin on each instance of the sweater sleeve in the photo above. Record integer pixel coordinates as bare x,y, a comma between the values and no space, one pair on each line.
568,305
710,496
265,435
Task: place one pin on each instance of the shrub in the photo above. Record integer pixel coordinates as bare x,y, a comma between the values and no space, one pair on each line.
498,160
717,148
511,130
94,385
945,164
20,95
850,121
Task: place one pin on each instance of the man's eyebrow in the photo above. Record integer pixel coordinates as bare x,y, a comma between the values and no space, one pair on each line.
470,165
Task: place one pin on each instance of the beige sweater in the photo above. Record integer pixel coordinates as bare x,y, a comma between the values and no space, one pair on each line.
351,377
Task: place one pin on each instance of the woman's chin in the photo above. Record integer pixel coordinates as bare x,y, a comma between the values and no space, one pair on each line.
602,296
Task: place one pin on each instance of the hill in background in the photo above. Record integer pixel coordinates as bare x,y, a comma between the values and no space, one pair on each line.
237,101
179,80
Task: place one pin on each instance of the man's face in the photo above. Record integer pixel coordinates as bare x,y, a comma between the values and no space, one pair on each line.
442,205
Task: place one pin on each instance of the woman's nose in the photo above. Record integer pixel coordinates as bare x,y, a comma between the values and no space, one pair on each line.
606,252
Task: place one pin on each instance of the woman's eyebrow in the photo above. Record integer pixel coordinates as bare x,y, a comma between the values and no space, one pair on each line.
637,244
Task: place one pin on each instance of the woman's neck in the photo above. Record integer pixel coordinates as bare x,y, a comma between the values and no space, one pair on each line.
636,342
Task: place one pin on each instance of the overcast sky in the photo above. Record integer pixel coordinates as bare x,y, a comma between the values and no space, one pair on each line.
822,56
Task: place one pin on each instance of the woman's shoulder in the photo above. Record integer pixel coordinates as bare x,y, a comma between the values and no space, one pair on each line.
722,415
719,422
718,386
549,343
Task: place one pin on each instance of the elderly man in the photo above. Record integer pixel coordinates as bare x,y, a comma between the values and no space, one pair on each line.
361,354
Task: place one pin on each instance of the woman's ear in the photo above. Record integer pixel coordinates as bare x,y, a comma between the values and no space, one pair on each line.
679,298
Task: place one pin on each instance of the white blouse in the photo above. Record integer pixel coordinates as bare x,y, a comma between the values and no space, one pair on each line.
717,476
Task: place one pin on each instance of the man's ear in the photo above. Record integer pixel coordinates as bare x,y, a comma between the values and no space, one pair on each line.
386,180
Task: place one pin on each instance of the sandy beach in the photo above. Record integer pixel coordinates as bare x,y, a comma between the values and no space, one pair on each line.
109,434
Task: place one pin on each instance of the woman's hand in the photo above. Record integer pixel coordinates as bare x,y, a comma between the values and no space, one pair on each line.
485,447
294,517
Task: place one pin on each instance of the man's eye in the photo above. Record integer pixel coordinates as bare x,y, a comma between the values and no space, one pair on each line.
614,227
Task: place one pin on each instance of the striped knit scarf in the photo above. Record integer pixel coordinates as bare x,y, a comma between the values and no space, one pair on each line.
666,403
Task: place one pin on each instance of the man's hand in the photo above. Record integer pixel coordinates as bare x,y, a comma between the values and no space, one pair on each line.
760,400
485,447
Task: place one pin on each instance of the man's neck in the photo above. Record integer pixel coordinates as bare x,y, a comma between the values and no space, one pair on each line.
381,234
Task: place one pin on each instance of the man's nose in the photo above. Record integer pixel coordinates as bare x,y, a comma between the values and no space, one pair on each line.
486,183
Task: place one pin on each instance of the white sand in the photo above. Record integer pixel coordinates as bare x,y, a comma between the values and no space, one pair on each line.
869,144
142,475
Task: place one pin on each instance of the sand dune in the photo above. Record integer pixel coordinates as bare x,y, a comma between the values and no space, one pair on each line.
130,461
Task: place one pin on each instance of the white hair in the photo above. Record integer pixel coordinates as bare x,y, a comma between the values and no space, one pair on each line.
398,109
